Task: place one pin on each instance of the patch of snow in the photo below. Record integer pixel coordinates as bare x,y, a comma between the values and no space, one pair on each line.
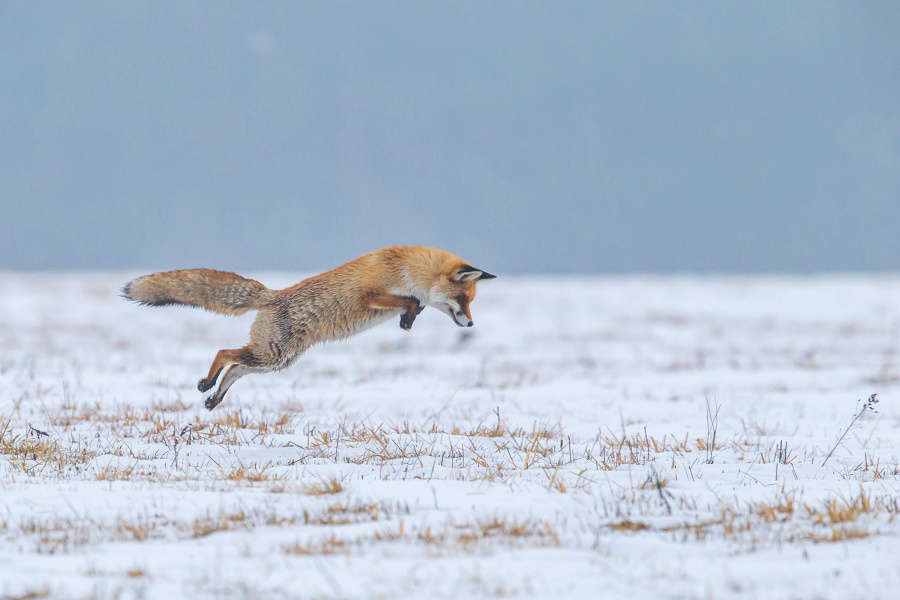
660,437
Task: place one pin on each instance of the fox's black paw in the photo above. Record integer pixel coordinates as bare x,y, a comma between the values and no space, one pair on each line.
203,385
406,322
212,402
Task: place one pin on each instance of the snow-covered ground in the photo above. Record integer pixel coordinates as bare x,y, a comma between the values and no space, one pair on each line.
655,437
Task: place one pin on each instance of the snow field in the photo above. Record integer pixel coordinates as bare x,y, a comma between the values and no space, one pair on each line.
660,437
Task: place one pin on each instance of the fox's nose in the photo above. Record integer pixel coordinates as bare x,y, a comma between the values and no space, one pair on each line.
469,324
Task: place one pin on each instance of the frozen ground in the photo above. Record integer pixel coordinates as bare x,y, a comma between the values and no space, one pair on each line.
648,437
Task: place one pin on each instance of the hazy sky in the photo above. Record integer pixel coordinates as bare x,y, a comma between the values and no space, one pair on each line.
525,136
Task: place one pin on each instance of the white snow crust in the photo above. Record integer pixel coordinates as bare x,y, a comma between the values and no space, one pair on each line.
606,437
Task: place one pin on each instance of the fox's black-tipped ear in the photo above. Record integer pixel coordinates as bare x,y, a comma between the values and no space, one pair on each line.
470,273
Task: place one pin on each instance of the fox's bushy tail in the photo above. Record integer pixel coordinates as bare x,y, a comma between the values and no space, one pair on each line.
218,291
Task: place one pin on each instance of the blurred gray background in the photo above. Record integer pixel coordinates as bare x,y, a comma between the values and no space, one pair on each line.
528,137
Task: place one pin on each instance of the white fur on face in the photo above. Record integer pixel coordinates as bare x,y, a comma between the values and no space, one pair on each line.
435,299
448,306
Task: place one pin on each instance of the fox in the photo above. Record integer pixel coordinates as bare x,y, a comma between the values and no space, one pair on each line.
367,291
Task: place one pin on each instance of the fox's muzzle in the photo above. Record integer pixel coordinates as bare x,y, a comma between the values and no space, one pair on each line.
465,322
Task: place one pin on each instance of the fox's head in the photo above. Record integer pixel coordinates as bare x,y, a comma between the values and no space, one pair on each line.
456,290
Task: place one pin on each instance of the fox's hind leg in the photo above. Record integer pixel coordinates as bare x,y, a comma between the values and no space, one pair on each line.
264,353
243,356
233,373
236,364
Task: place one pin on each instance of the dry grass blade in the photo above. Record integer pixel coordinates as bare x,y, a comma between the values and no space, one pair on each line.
324,487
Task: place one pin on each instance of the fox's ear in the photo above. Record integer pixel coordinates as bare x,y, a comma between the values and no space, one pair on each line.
470,273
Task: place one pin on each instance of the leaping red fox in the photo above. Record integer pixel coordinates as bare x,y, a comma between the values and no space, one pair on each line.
332,306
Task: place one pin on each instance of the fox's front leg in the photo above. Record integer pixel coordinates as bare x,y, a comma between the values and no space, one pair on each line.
410,306
413,310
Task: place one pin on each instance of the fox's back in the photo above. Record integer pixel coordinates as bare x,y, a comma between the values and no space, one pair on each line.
328,307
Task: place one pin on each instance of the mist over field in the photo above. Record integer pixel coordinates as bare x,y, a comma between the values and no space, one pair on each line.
528,137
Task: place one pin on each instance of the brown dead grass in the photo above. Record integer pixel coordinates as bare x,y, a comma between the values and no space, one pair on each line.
629,526
323,487
482,534
486,451
36,452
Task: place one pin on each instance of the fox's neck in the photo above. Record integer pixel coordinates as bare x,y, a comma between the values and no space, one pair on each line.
419,272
